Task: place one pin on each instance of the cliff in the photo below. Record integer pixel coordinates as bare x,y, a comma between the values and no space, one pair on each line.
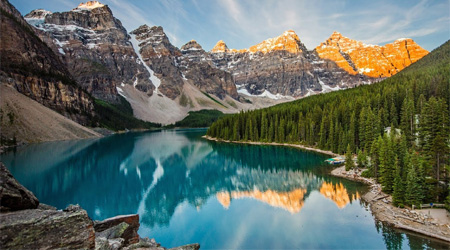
37,71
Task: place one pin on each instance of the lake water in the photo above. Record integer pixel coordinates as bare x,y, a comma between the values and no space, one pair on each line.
224,196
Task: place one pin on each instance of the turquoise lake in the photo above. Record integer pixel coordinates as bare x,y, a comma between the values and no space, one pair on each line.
224,196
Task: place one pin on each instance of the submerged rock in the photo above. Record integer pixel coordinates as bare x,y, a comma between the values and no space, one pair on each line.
36,228
14,196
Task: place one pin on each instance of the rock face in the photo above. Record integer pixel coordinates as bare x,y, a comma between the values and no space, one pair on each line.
371,60
282,66
38,72
174,66
14,196
197,67
36,229
160,55
95,47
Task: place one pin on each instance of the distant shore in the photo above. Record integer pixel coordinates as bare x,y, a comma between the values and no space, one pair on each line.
380,203
274,144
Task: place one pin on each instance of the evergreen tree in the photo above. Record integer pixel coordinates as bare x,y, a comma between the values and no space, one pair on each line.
407,120
361,159
398,192
349,164
413,194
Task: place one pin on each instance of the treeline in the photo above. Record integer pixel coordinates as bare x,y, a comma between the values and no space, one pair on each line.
118,116
198,119
400,127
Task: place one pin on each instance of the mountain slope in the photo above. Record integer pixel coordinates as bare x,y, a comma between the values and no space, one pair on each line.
25,121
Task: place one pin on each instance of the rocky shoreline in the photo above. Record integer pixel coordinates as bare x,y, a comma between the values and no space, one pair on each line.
402,218
380,203
28,224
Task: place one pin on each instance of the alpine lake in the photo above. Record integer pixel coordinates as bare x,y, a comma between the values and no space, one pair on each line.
187,189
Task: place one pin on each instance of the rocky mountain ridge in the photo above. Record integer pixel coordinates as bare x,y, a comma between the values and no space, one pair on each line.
163,83
376,61
282,67
95,47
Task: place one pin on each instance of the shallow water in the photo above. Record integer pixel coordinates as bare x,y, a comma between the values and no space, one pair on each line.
187,189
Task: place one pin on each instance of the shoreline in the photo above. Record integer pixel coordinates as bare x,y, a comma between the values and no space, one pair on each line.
274,144
380,203
402,218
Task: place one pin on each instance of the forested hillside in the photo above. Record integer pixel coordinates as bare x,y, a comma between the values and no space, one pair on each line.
400,128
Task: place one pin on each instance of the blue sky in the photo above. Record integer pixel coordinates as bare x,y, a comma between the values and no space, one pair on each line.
244,23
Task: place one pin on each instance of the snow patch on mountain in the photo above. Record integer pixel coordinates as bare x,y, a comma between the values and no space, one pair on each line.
155,80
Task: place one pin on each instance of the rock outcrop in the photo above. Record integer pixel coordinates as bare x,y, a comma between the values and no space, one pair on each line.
43,229
14,196
95,47
38,72
371,60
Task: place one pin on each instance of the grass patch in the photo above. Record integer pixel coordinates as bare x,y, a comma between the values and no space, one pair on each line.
232,104
210,97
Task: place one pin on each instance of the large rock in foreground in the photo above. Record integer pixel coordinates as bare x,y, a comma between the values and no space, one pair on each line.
14,196
43,229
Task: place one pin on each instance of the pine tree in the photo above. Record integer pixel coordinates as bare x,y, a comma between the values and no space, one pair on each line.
447,201
407,119
349,164
361,159
413,195
352,132
398,193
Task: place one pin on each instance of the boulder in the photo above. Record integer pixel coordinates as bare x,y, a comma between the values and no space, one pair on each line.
14,196
113,226
36,229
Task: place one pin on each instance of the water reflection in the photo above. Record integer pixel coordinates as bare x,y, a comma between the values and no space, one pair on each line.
162,175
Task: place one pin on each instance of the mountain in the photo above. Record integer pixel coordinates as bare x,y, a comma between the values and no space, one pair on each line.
371,60
95,47
163,83
34,70
282,67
